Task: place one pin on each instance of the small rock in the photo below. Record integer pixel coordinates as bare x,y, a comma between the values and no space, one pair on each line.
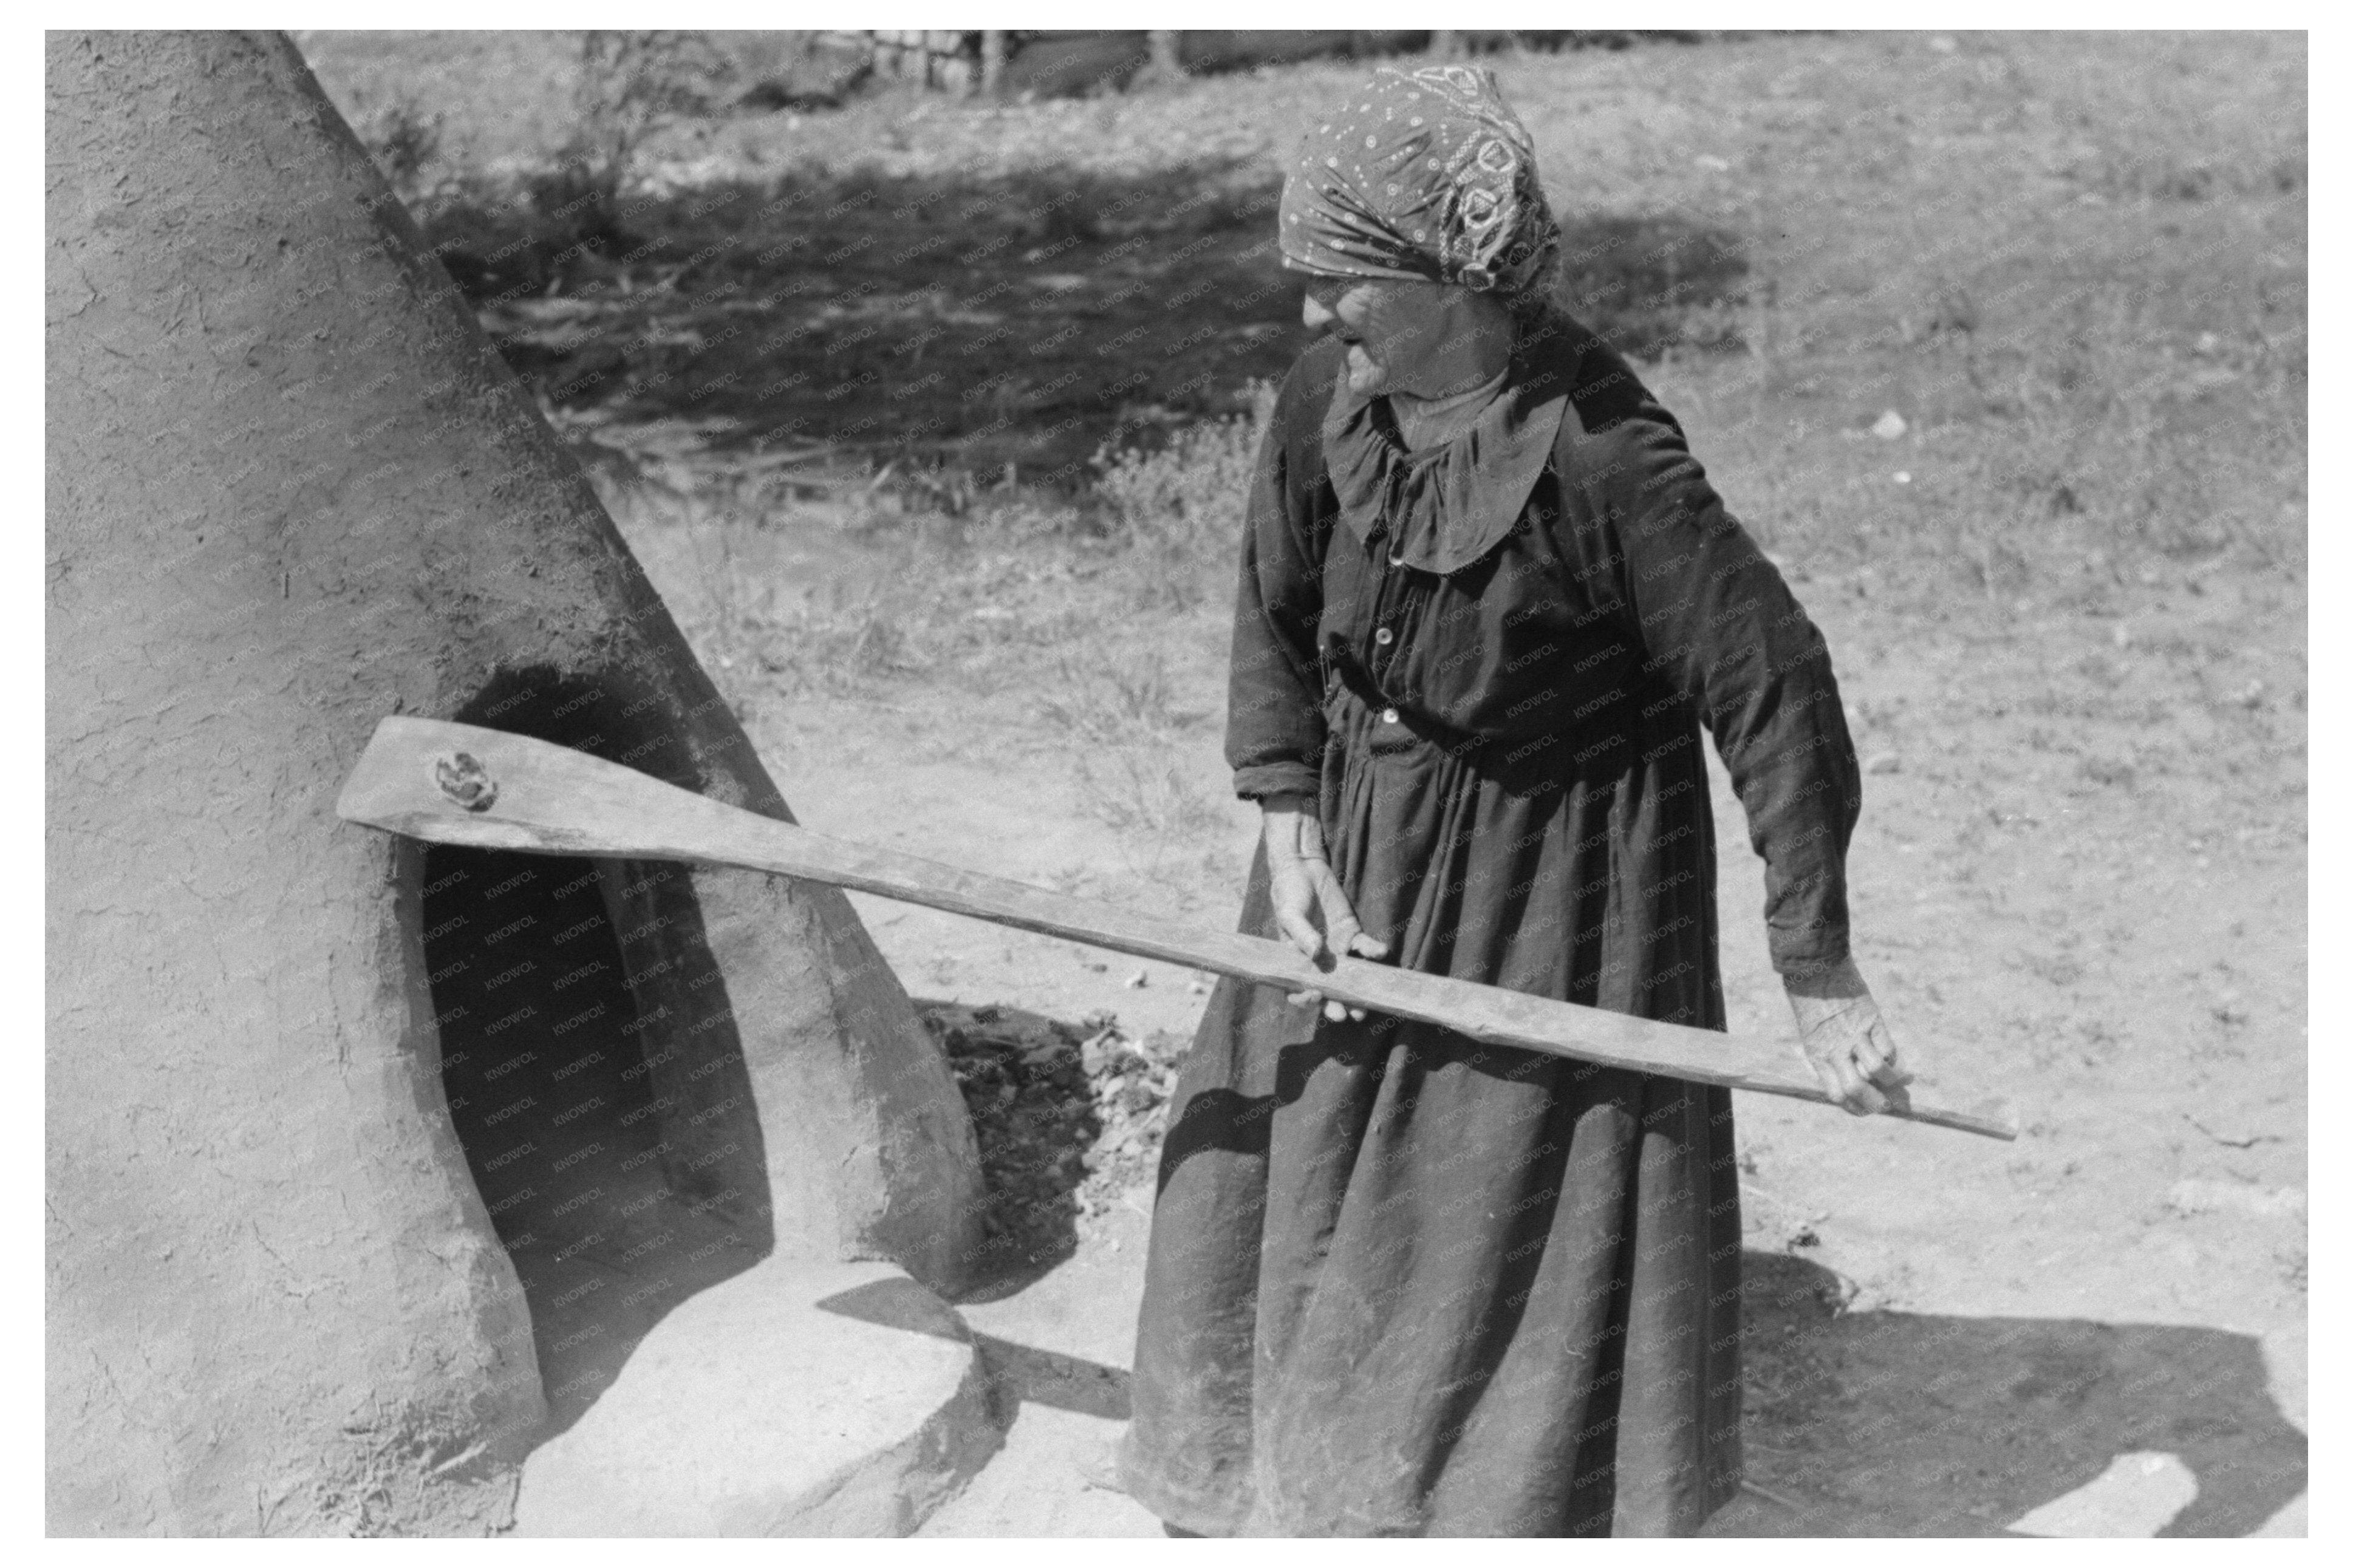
1884,762
2251,696
1710,161
2121,637
1891,426
1137,981
2207,343
1903,477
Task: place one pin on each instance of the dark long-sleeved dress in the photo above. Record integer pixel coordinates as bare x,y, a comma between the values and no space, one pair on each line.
1400,1284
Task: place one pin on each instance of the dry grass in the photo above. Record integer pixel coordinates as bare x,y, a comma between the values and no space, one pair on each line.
2074,266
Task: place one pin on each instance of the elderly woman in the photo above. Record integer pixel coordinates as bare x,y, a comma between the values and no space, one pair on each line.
1400,1284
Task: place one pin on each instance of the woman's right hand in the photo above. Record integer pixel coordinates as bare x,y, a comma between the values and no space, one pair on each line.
1309,905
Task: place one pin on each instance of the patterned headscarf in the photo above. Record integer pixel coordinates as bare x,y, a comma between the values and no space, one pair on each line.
1425,174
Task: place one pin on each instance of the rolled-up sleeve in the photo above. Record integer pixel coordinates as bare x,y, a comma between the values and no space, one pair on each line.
1274,714
1720,627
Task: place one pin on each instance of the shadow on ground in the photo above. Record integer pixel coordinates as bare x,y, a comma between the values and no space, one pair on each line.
967,322
1902,1423
1018,1374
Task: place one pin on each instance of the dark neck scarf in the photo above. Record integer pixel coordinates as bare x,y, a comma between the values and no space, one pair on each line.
1443,509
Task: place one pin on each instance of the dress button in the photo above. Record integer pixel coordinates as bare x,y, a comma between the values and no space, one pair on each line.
1397,560
1384,636
1388,716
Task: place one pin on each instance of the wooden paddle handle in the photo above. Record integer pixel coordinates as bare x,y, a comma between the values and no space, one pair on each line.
457,783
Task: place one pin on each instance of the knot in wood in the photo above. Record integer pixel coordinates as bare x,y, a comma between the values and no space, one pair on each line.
466,781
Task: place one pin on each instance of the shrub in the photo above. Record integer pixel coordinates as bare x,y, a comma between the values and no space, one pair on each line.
1192,491
405,141
630,85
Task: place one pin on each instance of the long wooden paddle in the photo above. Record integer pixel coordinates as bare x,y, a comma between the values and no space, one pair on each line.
457,783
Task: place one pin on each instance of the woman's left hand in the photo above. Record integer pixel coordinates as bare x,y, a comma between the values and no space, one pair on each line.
1845,1040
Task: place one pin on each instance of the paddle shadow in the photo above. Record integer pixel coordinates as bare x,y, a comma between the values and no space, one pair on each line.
1017,1374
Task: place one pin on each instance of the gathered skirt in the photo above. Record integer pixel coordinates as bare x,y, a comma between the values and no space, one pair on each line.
1401,1283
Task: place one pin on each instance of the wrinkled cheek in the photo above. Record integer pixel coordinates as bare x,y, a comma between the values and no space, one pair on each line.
1392,338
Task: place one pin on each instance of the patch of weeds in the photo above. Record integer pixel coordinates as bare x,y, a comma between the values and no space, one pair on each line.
2100,1042
1021,521
629,86
2058,969
1992,560
843,645
1177,514
1112,698
840,639
406,142
1143,793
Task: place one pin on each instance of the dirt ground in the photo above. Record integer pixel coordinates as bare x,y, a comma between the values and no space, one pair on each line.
2064,589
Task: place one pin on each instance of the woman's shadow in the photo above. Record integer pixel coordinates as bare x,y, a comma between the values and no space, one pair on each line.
1900,1423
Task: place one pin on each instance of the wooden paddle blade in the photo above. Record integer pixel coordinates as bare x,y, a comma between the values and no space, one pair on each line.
457,783
460,783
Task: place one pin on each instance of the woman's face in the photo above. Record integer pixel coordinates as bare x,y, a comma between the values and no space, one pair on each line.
1407,335
1392,327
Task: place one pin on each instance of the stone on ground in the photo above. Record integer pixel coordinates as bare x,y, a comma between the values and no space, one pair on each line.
795,1399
